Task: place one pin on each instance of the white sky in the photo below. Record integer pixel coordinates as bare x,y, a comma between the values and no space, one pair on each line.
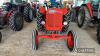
1,2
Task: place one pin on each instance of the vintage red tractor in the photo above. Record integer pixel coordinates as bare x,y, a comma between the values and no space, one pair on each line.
54,23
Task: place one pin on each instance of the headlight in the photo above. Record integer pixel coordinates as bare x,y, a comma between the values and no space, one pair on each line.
65,23
43,22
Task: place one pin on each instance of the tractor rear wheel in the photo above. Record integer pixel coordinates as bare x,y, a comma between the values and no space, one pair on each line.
71,41
0,37
98,33
35,39
28,12
83,17
16,21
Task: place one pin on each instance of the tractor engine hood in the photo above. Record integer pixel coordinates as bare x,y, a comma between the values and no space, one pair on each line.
54,19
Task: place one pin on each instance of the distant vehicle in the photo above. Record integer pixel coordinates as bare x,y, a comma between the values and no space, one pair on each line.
87,12
14,14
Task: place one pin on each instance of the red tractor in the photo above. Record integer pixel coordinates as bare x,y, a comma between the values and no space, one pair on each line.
54,23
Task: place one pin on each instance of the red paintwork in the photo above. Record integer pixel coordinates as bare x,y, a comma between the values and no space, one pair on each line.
70,41
8,14
42,10
90,9
54,20
6,17
53,36
36,39
65,11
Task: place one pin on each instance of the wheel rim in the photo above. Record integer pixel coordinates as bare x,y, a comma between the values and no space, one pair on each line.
35,40
70,40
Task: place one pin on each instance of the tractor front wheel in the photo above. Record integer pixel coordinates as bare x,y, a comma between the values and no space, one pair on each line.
84,17
71,41
16,21
35,39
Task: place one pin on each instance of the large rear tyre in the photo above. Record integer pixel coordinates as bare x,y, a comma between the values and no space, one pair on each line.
98,33
71,41
16,21
0,37
83,17
28,12
35,39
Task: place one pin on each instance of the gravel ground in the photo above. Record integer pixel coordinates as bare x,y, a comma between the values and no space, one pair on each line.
20,43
